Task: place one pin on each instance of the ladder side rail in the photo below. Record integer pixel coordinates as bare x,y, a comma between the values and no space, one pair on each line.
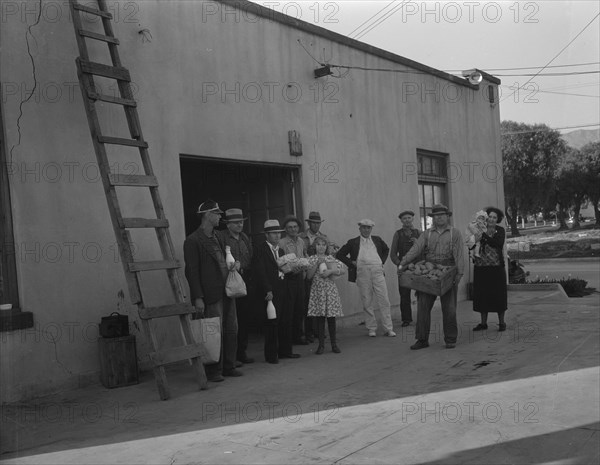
111,196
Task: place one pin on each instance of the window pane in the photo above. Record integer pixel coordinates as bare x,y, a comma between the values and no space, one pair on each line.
435,166
421,187
438,194
428,195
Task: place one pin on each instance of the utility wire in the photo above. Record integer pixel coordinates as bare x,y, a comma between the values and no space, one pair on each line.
535,91
379,21
556,56
548,129
369,19
577,73
528,67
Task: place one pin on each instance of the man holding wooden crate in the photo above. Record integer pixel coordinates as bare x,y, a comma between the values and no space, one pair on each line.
441,244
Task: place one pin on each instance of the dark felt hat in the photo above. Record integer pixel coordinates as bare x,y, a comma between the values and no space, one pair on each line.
439,209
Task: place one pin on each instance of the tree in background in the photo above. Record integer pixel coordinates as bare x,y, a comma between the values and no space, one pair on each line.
570,187
531,154
589,154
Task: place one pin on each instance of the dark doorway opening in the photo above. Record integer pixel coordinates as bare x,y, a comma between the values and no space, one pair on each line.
262,191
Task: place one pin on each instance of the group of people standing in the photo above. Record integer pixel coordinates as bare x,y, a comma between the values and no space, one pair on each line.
305,299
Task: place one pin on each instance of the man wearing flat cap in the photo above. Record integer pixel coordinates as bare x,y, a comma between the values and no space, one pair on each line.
241,249
441,244
206,273
364,256
403,240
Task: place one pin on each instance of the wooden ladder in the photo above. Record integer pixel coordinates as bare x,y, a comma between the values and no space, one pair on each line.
86,70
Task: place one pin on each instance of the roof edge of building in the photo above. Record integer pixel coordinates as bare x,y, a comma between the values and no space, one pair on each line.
273,15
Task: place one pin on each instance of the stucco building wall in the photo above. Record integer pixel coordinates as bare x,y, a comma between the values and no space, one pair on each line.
197,82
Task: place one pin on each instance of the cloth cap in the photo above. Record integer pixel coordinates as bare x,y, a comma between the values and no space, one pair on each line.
366,222
406,212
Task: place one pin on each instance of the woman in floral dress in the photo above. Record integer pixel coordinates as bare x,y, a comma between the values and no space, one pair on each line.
324,302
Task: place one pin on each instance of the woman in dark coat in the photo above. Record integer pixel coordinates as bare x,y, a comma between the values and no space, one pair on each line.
489,280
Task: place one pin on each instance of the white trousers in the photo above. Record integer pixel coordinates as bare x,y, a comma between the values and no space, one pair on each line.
373,292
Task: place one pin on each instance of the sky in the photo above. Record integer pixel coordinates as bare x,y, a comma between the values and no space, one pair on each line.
494,36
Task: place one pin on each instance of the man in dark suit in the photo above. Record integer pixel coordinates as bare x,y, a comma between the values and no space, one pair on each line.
270,284
364,256
206,273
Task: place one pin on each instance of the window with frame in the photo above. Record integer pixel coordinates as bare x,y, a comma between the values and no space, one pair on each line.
433,179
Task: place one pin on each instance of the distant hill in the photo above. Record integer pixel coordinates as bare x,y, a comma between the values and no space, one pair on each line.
581,137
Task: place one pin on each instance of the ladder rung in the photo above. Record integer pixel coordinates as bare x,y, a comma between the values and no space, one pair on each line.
145,223
102,37
111,99
176,354
122,141
113,72
135,180
165,311
154,265
93,11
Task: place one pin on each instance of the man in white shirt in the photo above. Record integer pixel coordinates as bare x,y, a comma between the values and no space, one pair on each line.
364,256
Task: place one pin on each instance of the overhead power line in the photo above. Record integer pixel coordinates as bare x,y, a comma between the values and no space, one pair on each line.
557,55
528,67
577,73
549,129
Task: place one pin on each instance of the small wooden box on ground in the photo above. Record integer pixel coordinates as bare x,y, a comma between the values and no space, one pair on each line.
428,286
118,361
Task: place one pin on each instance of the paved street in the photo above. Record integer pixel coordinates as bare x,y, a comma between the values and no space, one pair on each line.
529,395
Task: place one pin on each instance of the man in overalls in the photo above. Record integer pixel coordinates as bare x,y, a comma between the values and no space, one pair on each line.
441,244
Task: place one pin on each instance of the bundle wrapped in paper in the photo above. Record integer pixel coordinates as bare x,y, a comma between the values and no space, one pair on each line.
290,263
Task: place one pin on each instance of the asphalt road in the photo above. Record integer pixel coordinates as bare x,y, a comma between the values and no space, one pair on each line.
583,268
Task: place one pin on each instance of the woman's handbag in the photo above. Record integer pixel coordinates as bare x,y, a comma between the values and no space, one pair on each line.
235,286
208,332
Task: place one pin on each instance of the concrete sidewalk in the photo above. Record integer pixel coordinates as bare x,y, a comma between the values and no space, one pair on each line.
527,395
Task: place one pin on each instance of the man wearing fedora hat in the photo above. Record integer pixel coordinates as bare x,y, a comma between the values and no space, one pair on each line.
403,240
270,286
241,249
364,256
440,244
206,273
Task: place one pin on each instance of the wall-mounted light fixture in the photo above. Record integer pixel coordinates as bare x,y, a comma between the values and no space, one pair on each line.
324,71
473,76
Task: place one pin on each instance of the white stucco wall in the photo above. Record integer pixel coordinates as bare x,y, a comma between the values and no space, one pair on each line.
363,130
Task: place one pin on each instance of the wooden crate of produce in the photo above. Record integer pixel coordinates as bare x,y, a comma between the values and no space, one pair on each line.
430,286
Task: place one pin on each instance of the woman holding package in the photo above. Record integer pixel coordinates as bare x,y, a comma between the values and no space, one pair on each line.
324,302
489,280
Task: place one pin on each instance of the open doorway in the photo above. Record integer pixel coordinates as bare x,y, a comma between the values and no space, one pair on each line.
263,191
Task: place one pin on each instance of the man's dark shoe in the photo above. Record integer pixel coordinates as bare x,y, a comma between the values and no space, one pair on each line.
239,364
290,356
405,324
246,360
419,345
300,342
273,361
233,372
320,349
502,327
450,345
480,327
217,378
